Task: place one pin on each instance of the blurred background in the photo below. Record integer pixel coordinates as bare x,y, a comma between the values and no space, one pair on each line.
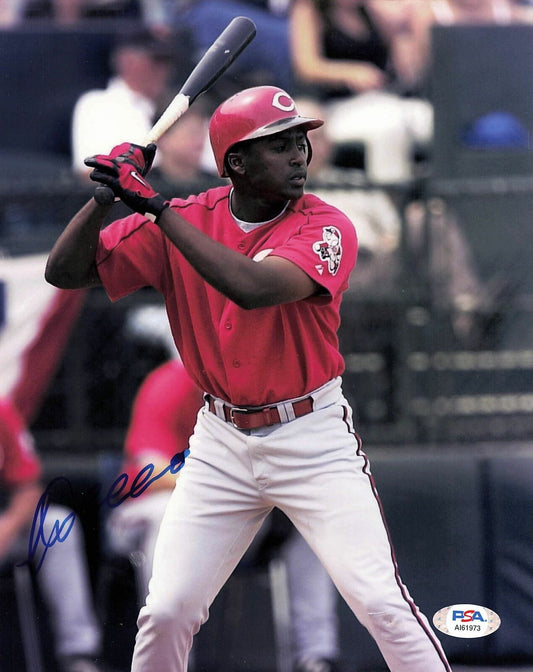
428,149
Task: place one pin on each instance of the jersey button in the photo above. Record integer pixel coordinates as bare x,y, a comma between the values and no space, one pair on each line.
236,363
241,246
228,325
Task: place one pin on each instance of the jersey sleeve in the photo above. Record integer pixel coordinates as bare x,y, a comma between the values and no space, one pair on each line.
325,247
130,255
19,463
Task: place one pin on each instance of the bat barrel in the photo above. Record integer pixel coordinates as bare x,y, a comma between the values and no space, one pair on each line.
229,44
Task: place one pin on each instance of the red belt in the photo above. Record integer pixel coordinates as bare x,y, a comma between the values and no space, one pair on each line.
253,418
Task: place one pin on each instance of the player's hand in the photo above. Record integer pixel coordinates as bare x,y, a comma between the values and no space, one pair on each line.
124,170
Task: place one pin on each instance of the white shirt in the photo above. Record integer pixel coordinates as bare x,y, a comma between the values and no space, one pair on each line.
103,118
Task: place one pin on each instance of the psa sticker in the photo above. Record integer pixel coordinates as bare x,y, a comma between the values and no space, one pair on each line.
466,621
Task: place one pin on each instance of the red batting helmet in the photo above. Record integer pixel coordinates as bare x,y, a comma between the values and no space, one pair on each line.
253,113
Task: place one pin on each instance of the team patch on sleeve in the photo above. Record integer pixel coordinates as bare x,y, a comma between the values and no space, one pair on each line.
329,249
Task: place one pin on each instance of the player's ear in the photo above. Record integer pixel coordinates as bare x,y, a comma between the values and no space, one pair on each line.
235,161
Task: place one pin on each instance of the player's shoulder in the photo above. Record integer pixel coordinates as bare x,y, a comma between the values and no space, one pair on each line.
312,204
320,212
209,199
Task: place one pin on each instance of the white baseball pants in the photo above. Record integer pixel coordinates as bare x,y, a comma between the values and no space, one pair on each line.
133,526
314,470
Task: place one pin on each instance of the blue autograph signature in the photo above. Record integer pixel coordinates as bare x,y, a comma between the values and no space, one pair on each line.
41,541
43,536
142,481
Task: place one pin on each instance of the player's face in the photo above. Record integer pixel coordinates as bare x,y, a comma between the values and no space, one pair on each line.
276,165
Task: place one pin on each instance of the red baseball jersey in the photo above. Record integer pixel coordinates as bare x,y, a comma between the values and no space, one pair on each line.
249,358
18,462
163,416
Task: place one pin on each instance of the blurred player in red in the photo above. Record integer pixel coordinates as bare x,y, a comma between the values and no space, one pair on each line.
32,343
63,575
162,421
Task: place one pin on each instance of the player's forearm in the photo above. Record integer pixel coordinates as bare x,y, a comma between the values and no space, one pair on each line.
233,274
245,282
71,263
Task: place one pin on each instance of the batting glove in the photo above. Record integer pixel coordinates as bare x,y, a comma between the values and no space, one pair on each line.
123,170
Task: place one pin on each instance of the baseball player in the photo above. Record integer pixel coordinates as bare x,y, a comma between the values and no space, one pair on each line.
162,420
254,311
63,574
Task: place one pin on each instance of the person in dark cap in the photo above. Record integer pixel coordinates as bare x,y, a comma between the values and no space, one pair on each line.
142,67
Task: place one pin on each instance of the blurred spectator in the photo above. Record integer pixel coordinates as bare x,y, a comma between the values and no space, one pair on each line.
66,12
425,237
11,12
421,17
372,210
525,9
438,254
162,421
266,60
181,154
143,66
160,16
481,307
347,52
63,575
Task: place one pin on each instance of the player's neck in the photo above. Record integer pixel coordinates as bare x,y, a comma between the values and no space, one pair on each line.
255,211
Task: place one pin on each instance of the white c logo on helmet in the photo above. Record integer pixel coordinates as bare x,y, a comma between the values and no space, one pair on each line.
287,107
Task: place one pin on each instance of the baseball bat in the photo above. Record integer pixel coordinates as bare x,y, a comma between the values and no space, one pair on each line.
214,63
